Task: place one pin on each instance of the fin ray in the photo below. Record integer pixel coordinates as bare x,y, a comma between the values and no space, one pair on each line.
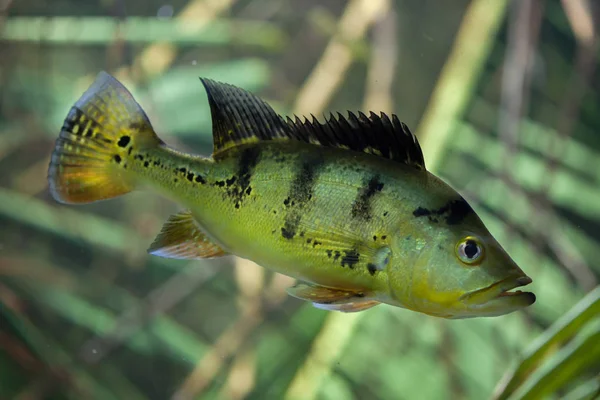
321,294
355,306
182,238
240,117
88,160
332,299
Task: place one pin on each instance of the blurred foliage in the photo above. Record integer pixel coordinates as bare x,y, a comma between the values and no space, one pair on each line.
579,332
86,313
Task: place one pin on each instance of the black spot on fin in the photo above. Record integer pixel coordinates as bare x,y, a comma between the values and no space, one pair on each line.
98,134
239,117
182,238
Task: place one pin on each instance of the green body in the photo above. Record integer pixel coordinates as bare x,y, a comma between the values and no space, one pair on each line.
253,224
347,207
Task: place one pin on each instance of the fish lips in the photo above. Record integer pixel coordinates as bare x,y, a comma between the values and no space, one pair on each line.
498,297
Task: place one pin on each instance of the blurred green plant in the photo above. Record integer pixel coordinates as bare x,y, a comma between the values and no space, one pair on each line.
102,30
85,313
568,350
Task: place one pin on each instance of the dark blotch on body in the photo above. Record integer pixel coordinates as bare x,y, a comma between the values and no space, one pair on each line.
372,268
454,212
290,226
286,233
336,255
361,208
301,193
238,185
350,259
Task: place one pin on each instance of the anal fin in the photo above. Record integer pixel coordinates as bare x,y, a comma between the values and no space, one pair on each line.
332,299
182,238
354,306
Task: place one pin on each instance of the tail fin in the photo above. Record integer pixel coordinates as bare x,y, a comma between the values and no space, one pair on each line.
89,162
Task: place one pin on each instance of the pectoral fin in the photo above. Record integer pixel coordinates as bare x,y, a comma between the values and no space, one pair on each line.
182,238
332,299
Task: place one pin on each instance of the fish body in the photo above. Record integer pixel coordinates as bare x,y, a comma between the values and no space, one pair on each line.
346,207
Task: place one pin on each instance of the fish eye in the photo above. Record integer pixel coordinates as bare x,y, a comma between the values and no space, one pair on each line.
469,250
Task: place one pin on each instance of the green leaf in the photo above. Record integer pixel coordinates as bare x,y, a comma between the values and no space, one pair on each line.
57,359
102,322
104,30
563,364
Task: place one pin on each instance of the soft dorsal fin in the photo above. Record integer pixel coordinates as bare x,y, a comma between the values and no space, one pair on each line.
239,117
182,238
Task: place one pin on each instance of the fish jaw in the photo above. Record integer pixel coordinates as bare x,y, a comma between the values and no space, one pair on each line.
498,299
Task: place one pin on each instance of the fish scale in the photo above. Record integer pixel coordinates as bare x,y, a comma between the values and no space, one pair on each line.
346,206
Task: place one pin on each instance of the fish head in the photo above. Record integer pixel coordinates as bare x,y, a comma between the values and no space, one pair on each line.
454,268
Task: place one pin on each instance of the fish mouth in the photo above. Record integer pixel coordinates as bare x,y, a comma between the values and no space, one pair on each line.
499,297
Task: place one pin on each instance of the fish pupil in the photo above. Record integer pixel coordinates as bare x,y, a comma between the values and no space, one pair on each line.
471,249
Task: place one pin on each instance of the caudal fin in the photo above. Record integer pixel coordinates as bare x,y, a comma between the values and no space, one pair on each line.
90,159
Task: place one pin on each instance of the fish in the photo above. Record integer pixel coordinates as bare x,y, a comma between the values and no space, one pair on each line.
345,206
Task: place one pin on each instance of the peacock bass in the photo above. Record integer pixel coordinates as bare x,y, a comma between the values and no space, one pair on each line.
345,206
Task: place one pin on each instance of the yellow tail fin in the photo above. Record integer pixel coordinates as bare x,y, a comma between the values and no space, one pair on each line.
89,162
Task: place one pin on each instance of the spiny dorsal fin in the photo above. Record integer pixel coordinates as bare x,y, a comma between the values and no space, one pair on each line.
375,134
182,238
239,117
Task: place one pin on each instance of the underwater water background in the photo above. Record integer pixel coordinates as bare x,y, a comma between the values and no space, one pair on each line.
503,96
